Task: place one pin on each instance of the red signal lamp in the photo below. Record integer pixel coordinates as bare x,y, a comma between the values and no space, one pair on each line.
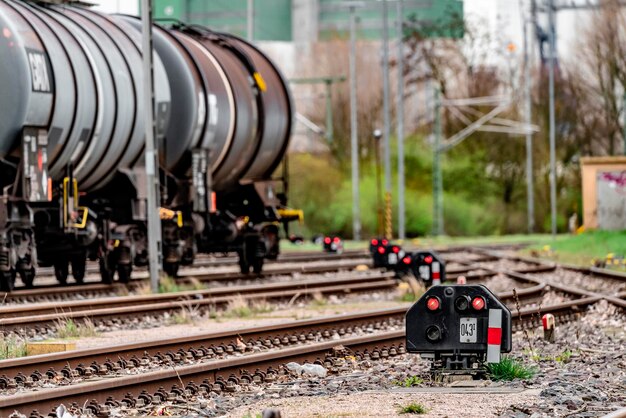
374,242
433,303
381,250
406,260
428,259
336,240
327,240
395,249
385,242
478,303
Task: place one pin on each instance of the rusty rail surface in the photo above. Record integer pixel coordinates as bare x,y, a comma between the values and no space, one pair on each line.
542,266
52,290
39,315
147,387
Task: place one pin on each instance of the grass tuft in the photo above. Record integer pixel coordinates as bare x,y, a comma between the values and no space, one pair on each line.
410,381
510,369
11,347
67,328
186,315
564,357
413,408
240,307
410,289
318,300
168,284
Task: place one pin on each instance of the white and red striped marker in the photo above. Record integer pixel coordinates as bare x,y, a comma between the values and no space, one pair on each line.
461,280
436,270
494,336
549,324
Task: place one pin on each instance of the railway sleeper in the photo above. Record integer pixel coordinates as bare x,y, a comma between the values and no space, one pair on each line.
191,355
333,360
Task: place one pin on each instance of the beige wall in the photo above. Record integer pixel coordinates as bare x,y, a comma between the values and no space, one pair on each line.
589,168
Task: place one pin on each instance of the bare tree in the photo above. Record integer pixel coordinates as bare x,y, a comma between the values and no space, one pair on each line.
597,79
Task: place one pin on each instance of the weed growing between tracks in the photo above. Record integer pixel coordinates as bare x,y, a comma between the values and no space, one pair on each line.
240,307
510,369
410,381
169,284
67,328
414,408
410,290
318,300
12,346
186,315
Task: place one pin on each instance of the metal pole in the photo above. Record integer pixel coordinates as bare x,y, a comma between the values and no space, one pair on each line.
437,178
354,143
250,20
529,136
624,127
400,121
329,112
387,122
552,39
380,230
151,156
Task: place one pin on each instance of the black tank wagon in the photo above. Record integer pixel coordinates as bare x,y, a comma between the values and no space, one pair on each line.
72,172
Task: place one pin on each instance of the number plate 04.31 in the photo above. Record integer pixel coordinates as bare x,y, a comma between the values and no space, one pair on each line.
468,330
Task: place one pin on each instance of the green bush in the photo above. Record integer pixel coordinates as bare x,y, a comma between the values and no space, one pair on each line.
479,198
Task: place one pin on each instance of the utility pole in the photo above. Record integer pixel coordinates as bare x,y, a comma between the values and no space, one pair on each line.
437,177
250,21
354,142
400,122
528,119
624,127
552,40
151,156
387,123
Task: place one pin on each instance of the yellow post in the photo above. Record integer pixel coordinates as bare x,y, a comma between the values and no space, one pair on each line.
388,226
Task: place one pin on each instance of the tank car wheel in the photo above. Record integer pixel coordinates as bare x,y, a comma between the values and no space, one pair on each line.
61,271
171,269
7,281
79,265
243,265
123,272
257,265
28,277
107,272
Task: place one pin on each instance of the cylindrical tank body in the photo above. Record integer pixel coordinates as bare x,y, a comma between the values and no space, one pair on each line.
89,78
78,73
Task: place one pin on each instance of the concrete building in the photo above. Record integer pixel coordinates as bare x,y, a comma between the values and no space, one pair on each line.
300,21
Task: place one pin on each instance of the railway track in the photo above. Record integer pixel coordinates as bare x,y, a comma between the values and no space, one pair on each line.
39,316
192,366
232,260
56,293
147,374
592,282
35,318
45,275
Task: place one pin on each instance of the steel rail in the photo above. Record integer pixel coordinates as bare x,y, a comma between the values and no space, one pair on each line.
10,367
152,381
279,291
186,277
616,300
226,338
99,391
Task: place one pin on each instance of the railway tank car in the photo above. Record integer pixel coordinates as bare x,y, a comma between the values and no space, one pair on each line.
72,172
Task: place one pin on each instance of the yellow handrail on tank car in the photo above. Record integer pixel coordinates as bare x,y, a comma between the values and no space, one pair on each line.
84,210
